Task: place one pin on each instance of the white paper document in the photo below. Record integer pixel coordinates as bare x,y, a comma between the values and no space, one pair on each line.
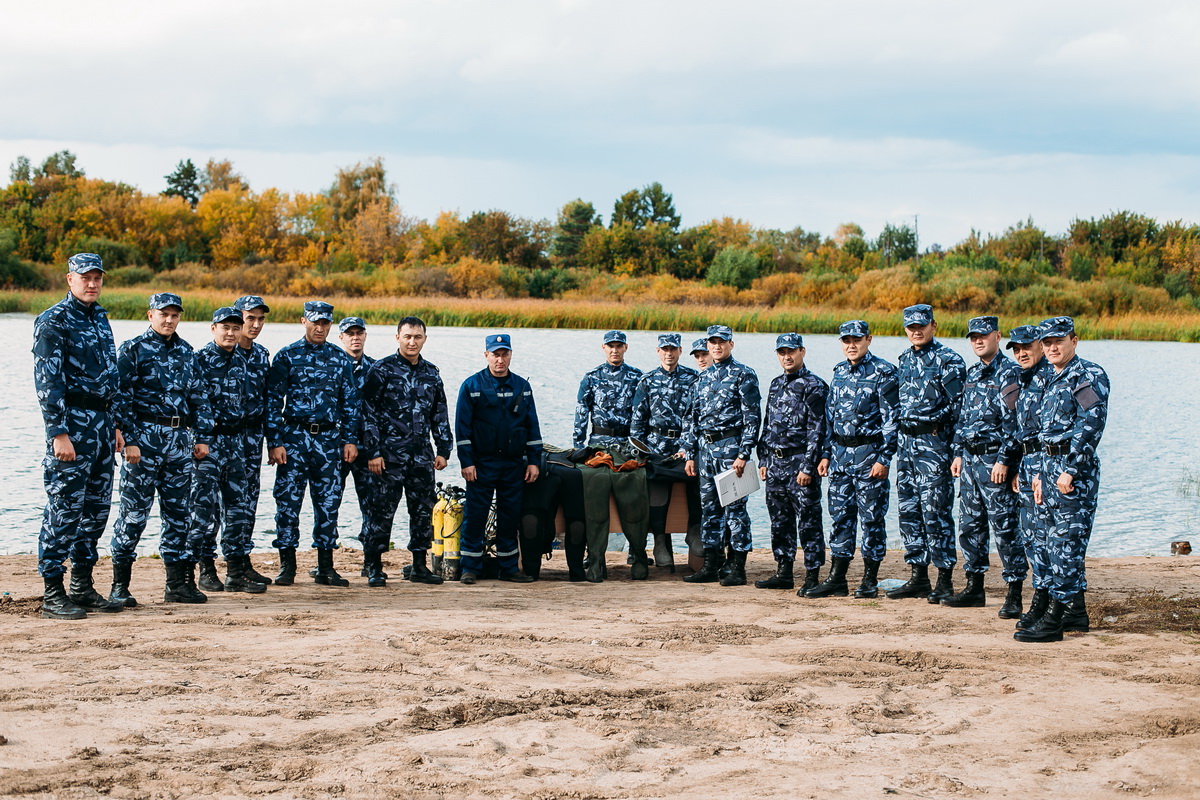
731,488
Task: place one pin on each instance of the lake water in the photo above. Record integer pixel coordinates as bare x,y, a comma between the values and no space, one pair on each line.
1153,422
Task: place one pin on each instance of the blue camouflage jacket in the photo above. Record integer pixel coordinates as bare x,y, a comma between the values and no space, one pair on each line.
1029,425
864,400
795,419
931,383
606,396
988,413
1074,410
317,382
662,401
159,377
258,366
725,397
224,378
496,419
403,404
73,351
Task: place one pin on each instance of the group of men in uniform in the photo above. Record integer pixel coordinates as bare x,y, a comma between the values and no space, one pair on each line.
1020,438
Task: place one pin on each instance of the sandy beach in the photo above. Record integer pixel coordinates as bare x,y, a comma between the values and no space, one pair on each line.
560,690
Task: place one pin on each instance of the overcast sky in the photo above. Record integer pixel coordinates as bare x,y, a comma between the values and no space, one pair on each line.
781,113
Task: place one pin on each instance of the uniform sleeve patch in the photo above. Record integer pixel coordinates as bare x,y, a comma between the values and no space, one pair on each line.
1009,395
1086,396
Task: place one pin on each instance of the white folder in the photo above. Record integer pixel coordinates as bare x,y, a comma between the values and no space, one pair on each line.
731,488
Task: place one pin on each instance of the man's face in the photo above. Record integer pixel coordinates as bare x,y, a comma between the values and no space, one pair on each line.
226,334
164,321
614,353
790,358
703,359
855,347
1060,349
919,335
1027,354
668,357
316,332
985,345
409,340
85,287
353,341
255,318
719,348
498,361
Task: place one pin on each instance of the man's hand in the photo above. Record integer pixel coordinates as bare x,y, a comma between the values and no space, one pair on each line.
803,479
1065,483
1037,490
879,471
469,474
118,441
277,455
689,468
531,473
739,466
1016,484
349,452
199,451
133,454
956,467
439,462
823,467
376,466
64,450
762,473
999,472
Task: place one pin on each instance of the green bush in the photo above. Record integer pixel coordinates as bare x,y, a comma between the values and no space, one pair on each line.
128,276
114,254
733,266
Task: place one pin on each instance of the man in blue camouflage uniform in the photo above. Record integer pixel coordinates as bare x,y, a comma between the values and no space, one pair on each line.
1035,371
660,405
985,454
860,443
1073,413
75,374
788,452
352,332
404,402
721,432
931,379
606,397
220,477
312,427
701,354
254,312
499,448
163,410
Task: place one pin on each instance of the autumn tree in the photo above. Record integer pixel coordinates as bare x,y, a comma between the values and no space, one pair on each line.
220,175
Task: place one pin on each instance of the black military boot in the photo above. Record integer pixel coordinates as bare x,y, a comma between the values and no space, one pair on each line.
237,576
737,570
210,581
727,564
1075,618
56,604
869,586
83,592
373,565
944,588
181,586
1047,629
326,574
419,573
640,569
970,597
664,554
782,579
834,584
253,575
287,567
710,572
119,593
1037,607
812,579
1012,601
916,586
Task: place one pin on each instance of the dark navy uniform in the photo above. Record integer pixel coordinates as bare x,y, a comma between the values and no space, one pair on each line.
364,481
606,399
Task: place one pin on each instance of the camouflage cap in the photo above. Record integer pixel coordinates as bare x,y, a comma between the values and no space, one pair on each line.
249,301
1022,334
720,332
700,346
1056,326
983,325
854,327
351,322
165,300
317,311
227,314
615,336
670,340
789,341
920,314
84,262
497,341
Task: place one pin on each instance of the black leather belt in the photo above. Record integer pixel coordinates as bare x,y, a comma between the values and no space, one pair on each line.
716,436
166,422
1031,446
228,428
670,433
858,441
312,427
784,452
918,428
1057,449
981,449
620,430
84,400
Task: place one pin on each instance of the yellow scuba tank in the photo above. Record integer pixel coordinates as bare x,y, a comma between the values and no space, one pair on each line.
452,517
436,550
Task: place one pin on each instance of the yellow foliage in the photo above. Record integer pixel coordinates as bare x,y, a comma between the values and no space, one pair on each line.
240,224
891,289
474,278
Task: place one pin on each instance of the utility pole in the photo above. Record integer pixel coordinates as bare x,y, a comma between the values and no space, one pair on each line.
917,241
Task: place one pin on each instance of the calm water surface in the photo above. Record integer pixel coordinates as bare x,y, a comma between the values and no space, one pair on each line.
1153,422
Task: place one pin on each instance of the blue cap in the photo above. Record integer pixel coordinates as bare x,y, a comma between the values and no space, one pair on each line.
615,336
700,346
789,341
670,340
721,332
227,314
351,322
984,325
165,300
497,341
854,327
249,301
84,262
1022,334
316,311
920,314
1056,326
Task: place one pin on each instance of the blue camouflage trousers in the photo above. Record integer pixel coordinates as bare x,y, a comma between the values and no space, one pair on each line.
252,449
505,480
721,526
1034,521
1069,529
313,462
795,513
856,498
219,483
364,485
926,494
411,476
166,467
78,494
983,504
